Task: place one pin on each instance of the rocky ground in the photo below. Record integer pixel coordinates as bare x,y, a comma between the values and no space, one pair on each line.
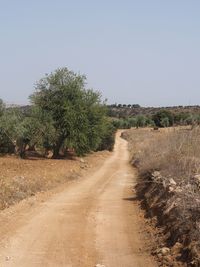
171,202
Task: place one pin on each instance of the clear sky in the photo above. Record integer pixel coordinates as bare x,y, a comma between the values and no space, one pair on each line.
133,51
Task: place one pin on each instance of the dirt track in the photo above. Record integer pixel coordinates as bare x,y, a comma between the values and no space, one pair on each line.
91,221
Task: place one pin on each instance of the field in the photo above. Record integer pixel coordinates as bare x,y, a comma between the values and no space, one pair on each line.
168,163
20,179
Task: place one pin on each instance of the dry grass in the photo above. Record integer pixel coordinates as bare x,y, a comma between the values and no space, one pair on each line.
174,151
168,162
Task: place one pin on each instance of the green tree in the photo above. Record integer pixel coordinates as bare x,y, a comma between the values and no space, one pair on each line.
181,118
108,138
162,115
132,121
140,121
36,129
77,114
165,122
10,129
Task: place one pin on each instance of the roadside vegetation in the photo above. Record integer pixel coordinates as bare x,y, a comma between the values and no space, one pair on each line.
63,116
168,163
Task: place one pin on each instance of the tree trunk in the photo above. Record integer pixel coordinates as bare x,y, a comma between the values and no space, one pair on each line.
20,147
56,148
22,151
32,147
56,151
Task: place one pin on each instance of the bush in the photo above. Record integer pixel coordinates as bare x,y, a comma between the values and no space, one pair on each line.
163,118
137,121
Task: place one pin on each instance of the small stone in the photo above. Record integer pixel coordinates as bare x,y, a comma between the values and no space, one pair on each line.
156,176
177,248
8,258
164,251
172,182
82,160
159,255
178,189
171,189
168,259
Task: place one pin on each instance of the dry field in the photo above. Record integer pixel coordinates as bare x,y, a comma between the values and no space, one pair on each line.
20,179
175,152
168,163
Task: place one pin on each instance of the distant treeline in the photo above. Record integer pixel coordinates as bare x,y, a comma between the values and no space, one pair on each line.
162,118
63,116
122,111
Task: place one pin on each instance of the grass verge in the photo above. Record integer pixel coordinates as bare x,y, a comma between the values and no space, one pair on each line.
168,163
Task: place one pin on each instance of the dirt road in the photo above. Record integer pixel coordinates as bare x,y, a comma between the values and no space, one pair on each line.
92,221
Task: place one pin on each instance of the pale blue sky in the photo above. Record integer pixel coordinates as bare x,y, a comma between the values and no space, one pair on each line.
144,51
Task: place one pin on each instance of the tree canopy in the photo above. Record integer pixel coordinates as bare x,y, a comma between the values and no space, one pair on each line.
78,114
63,115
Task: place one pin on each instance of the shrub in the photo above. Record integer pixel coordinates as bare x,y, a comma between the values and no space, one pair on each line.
163,117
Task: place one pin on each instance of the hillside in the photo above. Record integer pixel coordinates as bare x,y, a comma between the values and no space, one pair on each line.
121,111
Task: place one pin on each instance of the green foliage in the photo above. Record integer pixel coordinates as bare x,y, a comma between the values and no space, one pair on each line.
77,114
186,118
137,121
163,117
140,121
9,129
64,114
164,122
182,118
108,137
36,129
2,107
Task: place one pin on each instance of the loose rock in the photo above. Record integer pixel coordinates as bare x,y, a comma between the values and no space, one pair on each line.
177,248
163,251
82,160
172,182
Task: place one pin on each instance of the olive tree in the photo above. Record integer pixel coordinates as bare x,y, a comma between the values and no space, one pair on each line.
77,114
